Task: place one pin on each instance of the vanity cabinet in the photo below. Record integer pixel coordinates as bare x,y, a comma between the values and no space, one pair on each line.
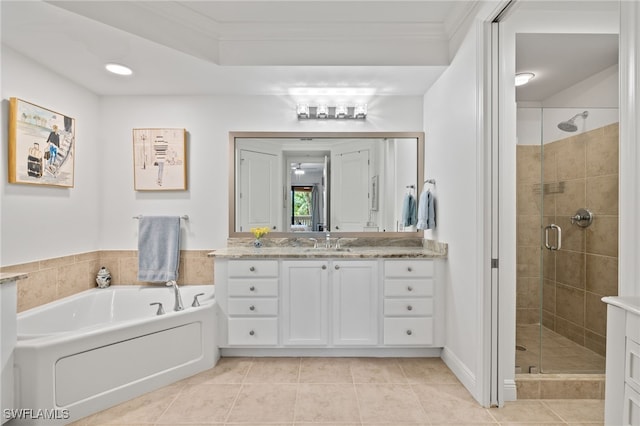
310,305
252,303
408,302
622,386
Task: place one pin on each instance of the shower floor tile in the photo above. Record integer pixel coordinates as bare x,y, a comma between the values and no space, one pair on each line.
559,354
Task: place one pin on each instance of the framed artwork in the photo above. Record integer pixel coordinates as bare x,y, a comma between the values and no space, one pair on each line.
374,193
42,145
159,159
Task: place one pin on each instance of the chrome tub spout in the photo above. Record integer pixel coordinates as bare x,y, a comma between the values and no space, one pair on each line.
178,305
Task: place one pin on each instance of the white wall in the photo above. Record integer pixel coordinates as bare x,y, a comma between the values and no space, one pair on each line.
208,119
597,94
40,222
452,150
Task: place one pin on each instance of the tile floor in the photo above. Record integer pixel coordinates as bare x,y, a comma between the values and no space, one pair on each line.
559,354
333,391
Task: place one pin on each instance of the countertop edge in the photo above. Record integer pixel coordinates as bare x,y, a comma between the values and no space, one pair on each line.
7,277
356,254
628,303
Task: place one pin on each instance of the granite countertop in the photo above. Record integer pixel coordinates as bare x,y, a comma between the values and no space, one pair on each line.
432,250
6,277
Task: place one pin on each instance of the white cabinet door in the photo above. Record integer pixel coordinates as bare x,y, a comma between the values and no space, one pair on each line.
305,302
355,302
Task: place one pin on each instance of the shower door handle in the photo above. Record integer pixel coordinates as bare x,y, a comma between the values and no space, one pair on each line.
558,237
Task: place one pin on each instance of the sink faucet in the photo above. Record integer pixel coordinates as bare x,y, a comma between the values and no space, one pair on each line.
178,306
327,244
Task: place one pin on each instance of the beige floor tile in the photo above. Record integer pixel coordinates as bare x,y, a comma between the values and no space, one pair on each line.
426,370
273,370
268,403
201,404
325,370
144,409
227,370
377,370
389,403
450,403
587,410
525,411
326,403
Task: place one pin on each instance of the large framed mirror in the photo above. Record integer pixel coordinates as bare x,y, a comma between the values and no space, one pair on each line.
304,183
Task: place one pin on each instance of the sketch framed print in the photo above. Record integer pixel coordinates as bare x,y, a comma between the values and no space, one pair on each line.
160,159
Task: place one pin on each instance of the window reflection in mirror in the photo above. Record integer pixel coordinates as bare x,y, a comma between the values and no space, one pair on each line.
348,183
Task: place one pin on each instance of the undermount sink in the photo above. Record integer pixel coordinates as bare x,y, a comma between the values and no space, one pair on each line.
327,250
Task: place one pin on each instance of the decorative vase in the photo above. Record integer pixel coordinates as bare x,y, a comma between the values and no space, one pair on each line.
103,279
257,243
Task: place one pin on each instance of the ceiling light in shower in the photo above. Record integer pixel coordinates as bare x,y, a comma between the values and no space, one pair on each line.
118,69
523,78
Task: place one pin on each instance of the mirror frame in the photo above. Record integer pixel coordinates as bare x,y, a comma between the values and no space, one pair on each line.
419,136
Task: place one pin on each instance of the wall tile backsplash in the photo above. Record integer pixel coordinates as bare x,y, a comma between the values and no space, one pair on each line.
579,171
55,278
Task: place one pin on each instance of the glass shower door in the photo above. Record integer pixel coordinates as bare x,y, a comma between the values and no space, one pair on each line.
578,198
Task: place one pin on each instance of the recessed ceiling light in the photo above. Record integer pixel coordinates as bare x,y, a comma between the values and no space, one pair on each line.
118,69
523,78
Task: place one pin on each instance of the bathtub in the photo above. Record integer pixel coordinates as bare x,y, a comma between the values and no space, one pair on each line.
90,351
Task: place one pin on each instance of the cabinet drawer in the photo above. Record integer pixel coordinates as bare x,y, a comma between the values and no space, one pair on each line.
633,327
253,287
631,407
632,365
408,331
253,331
252,268
408,268
406,288
408,307
246,306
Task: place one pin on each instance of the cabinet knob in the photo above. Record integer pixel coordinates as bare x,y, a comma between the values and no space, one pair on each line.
409,308
409,288
252,308
252,268
409,269
409,332
251,333
337,266
324,266
252,288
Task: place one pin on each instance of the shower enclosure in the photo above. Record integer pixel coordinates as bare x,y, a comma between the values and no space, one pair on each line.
567,237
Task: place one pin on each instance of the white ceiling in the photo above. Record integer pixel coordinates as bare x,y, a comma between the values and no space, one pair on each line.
265,47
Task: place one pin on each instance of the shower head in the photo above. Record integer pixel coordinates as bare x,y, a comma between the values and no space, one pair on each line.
570,125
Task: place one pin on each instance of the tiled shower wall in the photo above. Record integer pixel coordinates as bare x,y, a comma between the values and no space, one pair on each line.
579,171
53,279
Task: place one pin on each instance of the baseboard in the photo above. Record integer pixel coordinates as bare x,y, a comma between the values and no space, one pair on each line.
466,376
510,391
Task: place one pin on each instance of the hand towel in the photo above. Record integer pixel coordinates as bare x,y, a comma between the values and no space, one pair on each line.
426,211
158,248
409,211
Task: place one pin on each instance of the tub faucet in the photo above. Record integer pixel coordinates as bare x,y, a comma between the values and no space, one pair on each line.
178,306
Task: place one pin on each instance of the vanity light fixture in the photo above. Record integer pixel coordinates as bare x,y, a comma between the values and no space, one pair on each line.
523,78
323,111
118,69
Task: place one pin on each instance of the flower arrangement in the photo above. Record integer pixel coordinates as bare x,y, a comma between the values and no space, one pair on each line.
259,232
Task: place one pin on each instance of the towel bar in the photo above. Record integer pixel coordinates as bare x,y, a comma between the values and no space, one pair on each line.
185,217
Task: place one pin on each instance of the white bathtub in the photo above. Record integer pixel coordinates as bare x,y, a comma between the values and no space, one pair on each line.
95,349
